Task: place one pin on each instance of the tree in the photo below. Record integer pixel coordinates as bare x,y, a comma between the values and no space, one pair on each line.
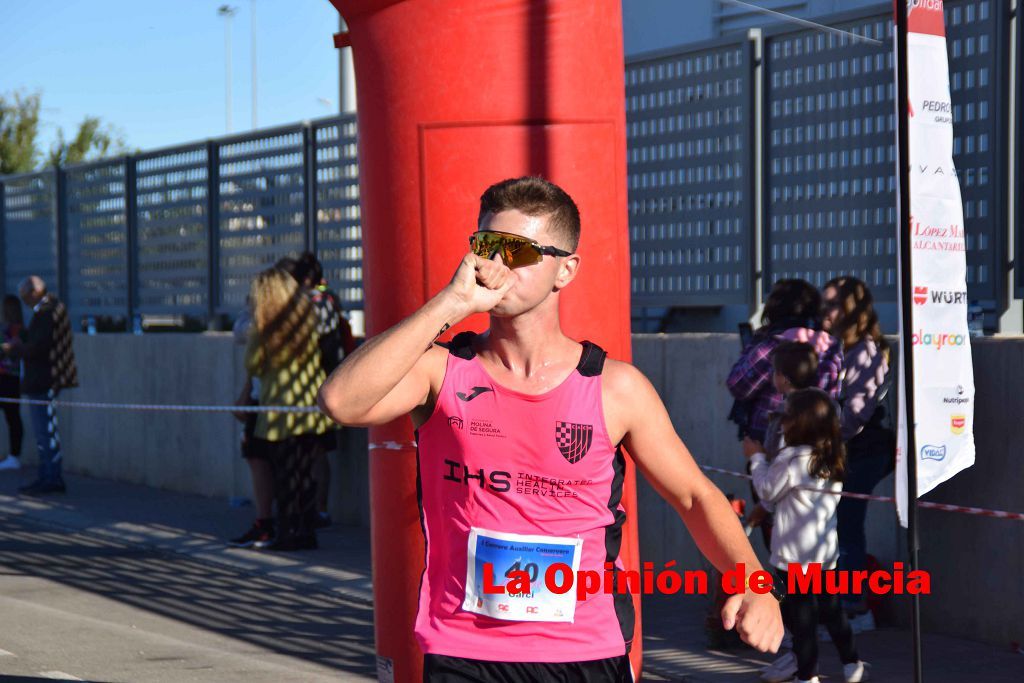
94,140
19,126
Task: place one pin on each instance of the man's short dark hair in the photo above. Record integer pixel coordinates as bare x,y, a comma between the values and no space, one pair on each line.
535,196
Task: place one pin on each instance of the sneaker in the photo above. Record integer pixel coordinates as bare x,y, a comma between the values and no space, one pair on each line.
11,462
862,622
260,535
856,672
323,520
782,669
41,488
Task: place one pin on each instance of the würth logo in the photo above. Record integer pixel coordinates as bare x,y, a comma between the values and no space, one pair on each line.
476,392
938,296
573,440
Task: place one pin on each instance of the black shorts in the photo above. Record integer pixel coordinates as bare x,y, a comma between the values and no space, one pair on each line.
253,447
444,669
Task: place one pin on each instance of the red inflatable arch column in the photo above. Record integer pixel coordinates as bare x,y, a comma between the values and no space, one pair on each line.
453,96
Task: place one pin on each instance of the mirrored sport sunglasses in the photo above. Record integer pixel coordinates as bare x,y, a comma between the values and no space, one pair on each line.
516,251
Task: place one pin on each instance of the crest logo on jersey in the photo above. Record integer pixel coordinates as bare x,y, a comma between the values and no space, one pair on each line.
573,440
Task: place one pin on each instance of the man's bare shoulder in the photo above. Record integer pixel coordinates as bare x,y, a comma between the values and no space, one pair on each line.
624,381
435,361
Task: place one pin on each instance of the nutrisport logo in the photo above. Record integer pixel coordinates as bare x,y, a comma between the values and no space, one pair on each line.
938,340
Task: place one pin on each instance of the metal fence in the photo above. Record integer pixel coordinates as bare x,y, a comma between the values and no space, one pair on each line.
751,158
182,231
825,166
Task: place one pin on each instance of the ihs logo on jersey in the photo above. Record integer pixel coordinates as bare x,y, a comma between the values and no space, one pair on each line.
573,440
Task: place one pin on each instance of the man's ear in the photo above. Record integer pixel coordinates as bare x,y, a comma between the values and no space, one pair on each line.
567,271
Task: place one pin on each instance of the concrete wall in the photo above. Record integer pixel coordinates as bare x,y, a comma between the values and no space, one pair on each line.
178,451
976,563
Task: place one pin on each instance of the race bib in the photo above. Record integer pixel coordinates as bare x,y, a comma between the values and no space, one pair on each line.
532,554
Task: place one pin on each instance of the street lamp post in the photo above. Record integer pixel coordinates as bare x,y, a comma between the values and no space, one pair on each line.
228,12
252,47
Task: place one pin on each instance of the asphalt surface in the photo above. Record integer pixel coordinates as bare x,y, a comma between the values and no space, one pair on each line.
117,583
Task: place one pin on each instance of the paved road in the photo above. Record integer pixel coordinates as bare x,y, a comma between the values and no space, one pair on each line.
120,583
78,607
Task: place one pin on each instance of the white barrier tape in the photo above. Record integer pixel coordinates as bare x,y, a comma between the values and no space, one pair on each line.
163,407
980,512
392,445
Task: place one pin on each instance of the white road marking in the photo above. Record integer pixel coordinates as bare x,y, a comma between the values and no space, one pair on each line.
5,653
59,675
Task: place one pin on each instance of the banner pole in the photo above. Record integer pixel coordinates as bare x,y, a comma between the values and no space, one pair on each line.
907,314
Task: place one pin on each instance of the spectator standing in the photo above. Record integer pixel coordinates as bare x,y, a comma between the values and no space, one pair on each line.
49,367
867,420
803,483
10,381
335,341
261,533
791,313
283,354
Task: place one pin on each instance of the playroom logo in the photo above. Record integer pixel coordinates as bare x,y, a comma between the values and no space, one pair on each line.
937,339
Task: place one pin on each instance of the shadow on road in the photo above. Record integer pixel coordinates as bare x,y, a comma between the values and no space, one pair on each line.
282,618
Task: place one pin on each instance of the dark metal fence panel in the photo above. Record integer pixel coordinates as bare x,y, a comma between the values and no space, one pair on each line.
262,208
689,132
829,166
978,45
30,229
97,240
829,169
339,236
172,272
1018,196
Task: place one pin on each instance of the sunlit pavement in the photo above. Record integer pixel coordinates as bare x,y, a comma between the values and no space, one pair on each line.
116,582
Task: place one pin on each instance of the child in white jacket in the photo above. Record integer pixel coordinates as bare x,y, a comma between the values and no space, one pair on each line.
803,482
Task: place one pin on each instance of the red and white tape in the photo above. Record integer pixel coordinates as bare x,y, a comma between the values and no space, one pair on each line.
391,445
981,512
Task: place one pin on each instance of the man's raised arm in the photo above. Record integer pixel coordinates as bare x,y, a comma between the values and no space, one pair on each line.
391,374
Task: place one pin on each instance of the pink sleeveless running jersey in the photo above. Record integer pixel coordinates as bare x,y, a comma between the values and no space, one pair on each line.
519,481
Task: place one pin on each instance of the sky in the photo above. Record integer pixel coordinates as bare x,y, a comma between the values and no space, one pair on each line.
156,69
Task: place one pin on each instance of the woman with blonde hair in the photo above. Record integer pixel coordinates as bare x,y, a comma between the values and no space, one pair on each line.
283,354
867,425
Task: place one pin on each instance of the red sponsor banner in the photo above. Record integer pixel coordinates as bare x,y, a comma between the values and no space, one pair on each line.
925,16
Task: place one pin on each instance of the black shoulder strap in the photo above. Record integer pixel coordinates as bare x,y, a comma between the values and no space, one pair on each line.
461,345
592,360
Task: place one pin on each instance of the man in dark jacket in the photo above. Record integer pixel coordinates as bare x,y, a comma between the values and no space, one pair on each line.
49,366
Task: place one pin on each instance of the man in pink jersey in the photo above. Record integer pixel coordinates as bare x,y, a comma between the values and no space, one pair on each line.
520,432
